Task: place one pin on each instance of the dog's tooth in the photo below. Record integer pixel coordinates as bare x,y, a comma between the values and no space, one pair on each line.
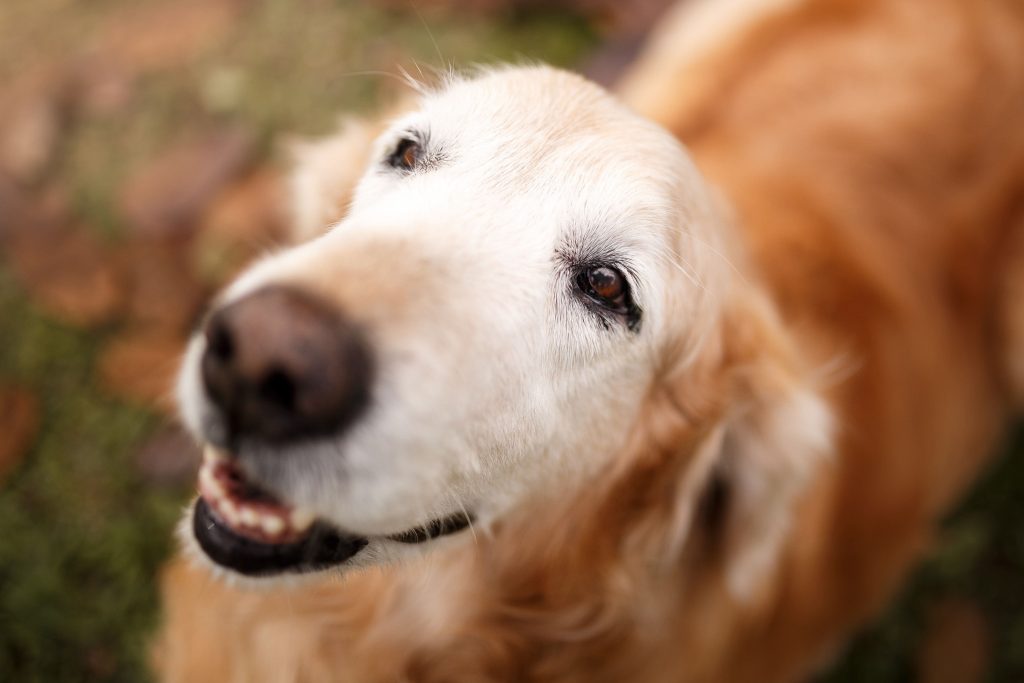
272,524
230,511
205,476
248,516
214,486
214,455
301,519
208,484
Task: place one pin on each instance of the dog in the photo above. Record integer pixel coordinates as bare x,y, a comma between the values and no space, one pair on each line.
538,400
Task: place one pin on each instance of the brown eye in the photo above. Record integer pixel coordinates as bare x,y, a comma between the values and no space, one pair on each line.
606,286
606,283
406,155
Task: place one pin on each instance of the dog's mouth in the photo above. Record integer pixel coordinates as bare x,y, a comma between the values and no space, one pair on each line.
244,528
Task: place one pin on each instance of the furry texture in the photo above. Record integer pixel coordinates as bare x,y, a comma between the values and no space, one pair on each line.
827,363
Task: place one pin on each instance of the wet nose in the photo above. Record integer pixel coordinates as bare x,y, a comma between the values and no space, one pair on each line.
281,364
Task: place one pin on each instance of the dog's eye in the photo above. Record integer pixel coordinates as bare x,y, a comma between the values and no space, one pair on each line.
606,286
406,154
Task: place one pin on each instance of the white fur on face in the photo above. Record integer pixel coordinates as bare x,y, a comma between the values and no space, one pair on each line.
494,380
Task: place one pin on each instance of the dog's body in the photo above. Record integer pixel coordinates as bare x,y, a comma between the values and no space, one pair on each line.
873,156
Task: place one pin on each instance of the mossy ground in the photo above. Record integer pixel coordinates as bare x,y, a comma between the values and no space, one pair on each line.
83,534
977,560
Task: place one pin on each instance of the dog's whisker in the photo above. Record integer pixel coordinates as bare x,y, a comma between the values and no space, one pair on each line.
671,259
688,275
716,253
418,85
378,74
437,48
469,519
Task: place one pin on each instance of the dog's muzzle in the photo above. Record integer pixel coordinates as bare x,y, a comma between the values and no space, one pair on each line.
280,366
243,528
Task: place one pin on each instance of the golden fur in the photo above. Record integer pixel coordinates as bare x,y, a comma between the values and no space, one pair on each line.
873,154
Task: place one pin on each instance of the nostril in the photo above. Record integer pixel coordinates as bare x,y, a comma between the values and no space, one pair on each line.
220,343
280,364
278,388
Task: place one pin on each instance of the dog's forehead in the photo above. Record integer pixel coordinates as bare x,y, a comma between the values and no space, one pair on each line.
551,138
522,98
532,115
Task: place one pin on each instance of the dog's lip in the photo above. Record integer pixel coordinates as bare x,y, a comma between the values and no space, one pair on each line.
246,529
321,548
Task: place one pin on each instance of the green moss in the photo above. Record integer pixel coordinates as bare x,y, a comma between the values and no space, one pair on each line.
82,535
979,556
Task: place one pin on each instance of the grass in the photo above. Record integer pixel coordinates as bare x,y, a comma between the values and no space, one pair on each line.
978,558
82,535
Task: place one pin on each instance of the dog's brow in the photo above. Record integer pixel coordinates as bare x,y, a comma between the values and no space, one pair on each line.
577,250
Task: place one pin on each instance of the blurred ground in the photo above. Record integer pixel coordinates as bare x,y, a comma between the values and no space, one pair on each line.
140,157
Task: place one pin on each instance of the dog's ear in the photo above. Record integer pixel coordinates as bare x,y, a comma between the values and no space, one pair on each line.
765,431
777,428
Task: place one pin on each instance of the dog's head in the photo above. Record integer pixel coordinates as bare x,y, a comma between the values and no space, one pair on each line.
524,264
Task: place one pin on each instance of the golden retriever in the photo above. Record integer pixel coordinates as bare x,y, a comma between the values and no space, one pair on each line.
544,404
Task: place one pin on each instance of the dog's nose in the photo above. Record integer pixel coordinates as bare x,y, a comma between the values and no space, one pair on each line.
282,364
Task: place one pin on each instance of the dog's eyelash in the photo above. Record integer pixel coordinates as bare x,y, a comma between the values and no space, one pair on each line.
413,151
575,257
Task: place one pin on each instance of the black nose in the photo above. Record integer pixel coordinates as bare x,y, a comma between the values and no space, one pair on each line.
282,364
